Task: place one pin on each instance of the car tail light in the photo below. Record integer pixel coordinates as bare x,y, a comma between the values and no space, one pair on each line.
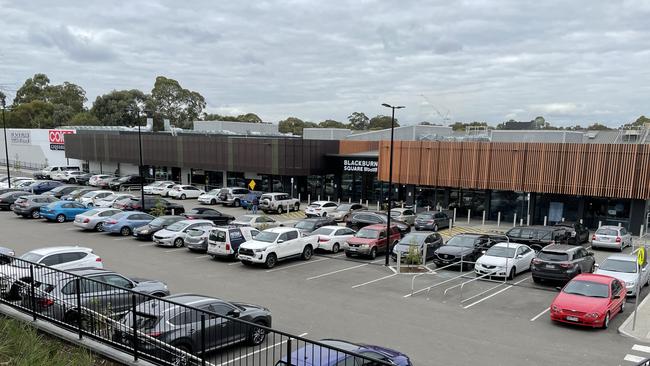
86,220
537,261
111,222
431,222
98,259
593,237
618,239
227,246
190,217
322,239
317,209
154,334
46,303
566,265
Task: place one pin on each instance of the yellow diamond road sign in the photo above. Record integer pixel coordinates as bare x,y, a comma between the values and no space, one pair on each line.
640,256
251,185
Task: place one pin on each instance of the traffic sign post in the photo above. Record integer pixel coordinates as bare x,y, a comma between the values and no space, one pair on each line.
640,260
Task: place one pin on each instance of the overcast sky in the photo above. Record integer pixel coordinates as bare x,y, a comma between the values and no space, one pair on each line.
575,61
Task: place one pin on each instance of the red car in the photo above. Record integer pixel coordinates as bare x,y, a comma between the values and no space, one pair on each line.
370,240
589,299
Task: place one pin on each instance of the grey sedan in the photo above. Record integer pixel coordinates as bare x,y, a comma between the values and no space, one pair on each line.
94,219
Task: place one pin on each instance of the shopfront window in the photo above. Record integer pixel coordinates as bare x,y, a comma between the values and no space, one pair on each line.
508,203
466,200
607,211
235,180
214,179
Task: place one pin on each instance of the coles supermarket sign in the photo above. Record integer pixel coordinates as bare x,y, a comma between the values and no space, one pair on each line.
57,138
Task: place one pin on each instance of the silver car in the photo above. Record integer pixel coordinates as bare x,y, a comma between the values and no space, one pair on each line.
345,210
614,237
176,233
624,267
260,222
109,200
403,214
94,219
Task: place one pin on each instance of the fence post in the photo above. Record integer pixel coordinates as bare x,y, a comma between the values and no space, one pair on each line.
79,323
527,220
399,261
424,254
600,223
32,291
134,321
202,339
545,220
454,215
483,222
289,352
514,221
319,197
469,214
499,219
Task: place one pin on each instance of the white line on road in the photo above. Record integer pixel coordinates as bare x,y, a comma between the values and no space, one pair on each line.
258,351
174,250
633,358
540,314
296,265
234,263
494,294
373,281
71,228
202,256
334,272
120,239
146,245
641,348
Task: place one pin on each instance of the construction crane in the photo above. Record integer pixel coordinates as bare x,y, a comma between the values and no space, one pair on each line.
444,117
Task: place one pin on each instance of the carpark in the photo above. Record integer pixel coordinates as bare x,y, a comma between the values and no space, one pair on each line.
358,299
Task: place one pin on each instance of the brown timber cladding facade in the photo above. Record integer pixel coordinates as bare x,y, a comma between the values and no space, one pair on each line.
604,170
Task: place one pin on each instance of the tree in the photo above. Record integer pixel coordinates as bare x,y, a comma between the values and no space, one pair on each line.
332,124
294,125
359,121
32,89
461,126
119,107
640,122
248,117
70,95
35,114
598,127
3,99
84,119
181,106
380,122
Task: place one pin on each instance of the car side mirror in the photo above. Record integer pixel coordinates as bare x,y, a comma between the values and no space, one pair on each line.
519,256
280,241
558,288
234,313
596,265
483,251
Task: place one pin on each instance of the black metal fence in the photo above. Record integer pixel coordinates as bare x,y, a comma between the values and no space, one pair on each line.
183,329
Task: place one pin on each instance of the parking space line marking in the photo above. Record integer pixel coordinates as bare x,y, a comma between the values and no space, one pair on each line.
494,294
174,250
296,265
71,228
483,292
540,314
258,351
202,256
641,348
146,245
373,281
338,271
633,358
120,239
234,263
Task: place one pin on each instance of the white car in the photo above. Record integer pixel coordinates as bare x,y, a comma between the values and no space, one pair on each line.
23,183
505,259
624,267
272,245
211,197
406,215
320,208
148,189
175,234
14,181
333,238
109,200
163,189
70,176
259,222
91,197
95,179
183,191
224,242
609,236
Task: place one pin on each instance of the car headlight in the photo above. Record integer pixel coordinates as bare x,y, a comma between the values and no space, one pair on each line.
365,246
555,309
260,250
592,315
144,231
630,283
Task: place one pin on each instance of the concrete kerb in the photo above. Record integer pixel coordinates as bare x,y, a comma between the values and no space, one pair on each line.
73,338
628,323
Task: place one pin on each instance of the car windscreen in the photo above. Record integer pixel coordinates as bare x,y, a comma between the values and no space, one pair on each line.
425,216
323,231
214,192
502,252
618,266
344,207
609,232
587,288
91,212
89,194
266,236
177,226
245,218
110,197
553,257
31,257
305,225
462,241
367,234
413,239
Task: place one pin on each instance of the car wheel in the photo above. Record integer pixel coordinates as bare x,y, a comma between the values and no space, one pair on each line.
71,181
622,307
335,248
36,214
307,253
280,211
537,279
373,253
435,227
125,231
213,202
178,242
256,336
60,218
271,260
183,196
236,203
346,218
324,214
606,321
182,358
99,227
11,207
513,271
90,204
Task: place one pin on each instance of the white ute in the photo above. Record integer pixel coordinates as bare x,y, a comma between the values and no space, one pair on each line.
276,244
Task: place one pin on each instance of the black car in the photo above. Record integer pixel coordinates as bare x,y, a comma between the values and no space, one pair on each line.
561,262
364,218
126,181
83,178
146,232
577,233
307,226
7,200
432,240
5,190
204,213
431,221
469,247
150,204
537,237
61,191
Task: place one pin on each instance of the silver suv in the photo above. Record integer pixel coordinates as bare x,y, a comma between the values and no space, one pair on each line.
232,196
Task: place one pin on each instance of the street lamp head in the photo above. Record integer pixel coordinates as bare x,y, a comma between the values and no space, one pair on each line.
391,107
387,105
400,107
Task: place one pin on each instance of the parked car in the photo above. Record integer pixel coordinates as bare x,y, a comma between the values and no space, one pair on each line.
468,247
231,196
6,255
14,181
125,182
109,200
196,239
96,180
183,191
62,211
41,186
204,213
259,222
577,232
62,190
624,268
149,188
537,237
47,172
103,291
372,240
30,205
72,177
95,218
364,218
344,210
12,189
163,189
431,221
178,328
611,237
406,215
306,226
278,202
146,232
175,234
333,237
22,184
589,299
276,244
82,178
320,208
8,199
150,202
505,259
125,222
90,198
561,262
314,355
76,194
224,242
210,198
418,240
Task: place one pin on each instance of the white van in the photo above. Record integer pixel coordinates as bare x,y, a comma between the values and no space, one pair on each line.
224,242
54,169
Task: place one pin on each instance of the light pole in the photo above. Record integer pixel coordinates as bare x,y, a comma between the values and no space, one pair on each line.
4,127
390,177
140,166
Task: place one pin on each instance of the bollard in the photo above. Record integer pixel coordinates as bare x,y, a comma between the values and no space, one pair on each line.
424,255
377,205
319,197
600,223
499,219
527,220
514,221
454,215
580,221
451,223
173,212
338,202
545,220
360,201
299,197
521,222
483,221
428,208
563,219
415,207
399,261
619,224
641,232
328,198
309,199
469,213
349,199
366,203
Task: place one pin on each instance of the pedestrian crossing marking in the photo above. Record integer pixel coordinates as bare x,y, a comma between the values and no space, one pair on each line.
634,358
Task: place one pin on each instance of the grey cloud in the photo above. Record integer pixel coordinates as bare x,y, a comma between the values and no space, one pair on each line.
78,47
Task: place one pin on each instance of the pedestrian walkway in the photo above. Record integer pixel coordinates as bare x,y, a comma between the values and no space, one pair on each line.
641,329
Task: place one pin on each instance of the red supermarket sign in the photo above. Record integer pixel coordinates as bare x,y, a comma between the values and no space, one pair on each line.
57,138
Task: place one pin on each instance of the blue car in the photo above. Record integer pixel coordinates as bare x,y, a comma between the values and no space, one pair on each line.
41,186
315,355
125,222
62,211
